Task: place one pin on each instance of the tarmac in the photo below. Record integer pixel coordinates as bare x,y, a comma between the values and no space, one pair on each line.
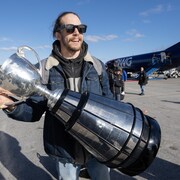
21,145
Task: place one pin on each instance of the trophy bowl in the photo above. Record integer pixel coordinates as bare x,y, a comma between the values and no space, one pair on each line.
18,75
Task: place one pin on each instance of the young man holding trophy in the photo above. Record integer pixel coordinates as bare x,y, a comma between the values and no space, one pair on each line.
83,124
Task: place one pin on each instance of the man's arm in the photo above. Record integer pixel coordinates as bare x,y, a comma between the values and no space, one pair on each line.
31,110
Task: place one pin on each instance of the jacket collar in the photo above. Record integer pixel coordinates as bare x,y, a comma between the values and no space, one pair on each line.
51,61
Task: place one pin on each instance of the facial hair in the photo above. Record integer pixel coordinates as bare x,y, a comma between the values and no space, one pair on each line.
69,47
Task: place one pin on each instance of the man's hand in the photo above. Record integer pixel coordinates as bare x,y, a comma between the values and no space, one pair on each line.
5,99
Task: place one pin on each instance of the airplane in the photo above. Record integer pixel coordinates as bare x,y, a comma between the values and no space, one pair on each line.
152,62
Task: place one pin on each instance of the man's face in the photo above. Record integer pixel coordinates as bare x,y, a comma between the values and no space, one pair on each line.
70,42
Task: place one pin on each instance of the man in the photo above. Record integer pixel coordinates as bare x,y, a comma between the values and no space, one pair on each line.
142,80
116,83
69,66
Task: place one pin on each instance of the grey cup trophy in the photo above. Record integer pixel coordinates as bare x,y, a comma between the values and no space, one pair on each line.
115,133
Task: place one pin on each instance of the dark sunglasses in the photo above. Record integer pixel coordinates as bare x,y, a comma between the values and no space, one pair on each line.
70,28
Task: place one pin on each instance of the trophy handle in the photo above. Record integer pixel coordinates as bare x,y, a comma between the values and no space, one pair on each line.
20,52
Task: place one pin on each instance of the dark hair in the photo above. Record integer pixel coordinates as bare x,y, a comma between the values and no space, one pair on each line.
58,20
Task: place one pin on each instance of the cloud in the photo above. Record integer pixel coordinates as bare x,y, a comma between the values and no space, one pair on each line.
169,7
44,47
12,48
94,38
157,10
133,35
83,2
146,21
5,39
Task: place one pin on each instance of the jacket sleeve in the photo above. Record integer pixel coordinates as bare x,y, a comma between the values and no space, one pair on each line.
29,111
105,82
145,78
124,75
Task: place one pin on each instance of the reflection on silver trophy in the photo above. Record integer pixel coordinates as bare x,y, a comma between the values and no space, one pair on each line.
115,133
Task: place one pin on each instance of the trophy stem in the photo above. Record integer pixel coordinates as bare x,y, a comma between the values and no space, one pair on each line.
51,97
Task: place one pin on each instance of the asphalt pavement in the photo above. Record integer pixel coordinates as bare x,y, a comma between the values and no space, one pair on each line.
21,145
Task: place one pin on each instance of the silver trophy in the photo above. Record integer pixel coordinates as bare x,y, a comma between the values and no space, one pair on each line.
115,133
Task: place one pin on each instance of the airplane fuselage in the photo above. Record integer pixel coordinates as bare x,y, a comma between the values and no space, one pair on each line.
161,60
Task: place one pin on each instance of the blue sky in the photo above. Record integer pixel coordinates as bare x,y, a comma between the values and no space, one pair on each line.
115,28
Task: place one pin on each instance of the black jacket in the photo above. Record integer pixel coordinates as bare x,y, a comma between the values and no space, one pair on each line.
142,78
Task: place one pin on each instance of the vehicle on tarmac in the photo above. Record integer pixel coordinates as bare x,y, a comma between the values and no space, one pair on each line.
172,73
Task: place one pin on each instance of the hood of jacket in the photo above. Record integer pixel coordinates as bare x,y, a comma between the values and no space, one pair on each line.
56,58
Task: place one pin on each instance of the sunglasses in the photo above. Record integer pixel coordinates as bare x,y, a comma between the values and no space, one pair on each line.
70,28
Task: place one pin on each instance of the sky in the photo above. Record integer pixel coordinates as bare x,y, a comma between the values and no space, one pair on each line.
115,28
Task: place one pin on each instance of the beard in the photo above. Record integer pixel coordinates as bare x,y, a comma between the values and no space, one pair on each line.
72,46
